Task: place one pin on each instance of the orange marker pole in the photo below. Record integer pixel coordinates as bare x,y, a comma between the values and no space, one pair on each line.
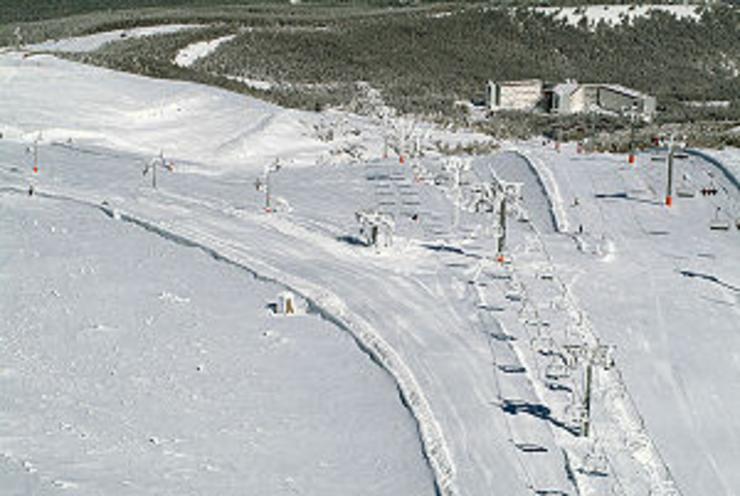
669,191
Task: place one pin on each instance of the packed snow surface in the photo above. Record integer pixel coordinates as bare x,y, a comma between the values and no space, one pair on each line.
191,53
92,42
133,365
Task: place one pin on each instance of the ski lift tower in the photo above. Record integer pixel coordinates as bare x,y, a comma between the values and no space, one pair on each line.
631,112
263,183
508,193
496,197
156,162
376,228
601,356
672,145
454,168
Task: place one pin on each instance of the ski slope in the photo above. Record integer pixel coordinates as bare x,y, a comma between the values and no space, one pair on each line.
122,373
471,345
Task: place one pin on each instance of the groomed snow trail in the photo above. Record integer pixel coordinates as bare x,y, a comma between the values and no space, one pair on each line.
321,299
134,366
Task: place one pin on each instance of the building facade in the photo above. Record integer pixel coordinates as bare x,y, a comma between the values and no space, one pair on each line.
522,95
571,98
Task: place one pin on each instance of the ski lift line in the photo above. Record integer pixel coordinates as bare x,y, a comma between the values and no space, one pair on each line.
588,334
583,329
515,349
566,291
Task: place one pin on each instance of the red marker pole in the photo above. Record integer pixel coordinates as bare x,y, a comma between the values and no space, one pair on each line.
35,157
669,192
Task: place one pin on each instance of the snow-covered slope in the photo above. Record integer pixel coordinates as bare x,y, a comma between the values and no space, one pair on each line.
666,293
89,43
472,344
215,128
211,130
131,365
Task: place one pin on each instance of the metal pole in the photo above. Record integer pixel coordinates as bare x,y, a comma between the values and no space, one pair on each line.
632,138
154,169
587,398
669,192
502,225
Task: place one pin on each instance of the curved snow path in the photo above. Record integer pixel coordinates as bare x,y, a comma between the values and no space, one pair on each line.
321,300
515,166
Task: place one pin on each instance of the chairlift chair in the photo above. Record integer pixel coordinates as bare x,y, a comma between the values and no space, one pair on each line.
544,345
557,368
595,462
718,224
575,413
683,190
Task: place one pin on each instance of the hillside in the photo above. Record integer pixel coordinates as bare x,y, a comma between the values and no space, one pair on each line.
533,320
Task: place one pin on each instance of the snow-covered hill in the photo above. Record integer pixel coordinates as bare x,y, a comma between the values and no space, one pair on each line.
474,347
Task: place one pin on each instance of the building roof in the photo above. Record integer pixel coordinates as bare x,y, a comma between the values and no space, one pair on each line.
565,88
618,88
521,82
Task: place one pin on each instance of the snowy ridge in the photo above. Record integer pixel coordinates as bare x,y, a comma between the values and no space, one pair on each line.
718,164
550,186
324,302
